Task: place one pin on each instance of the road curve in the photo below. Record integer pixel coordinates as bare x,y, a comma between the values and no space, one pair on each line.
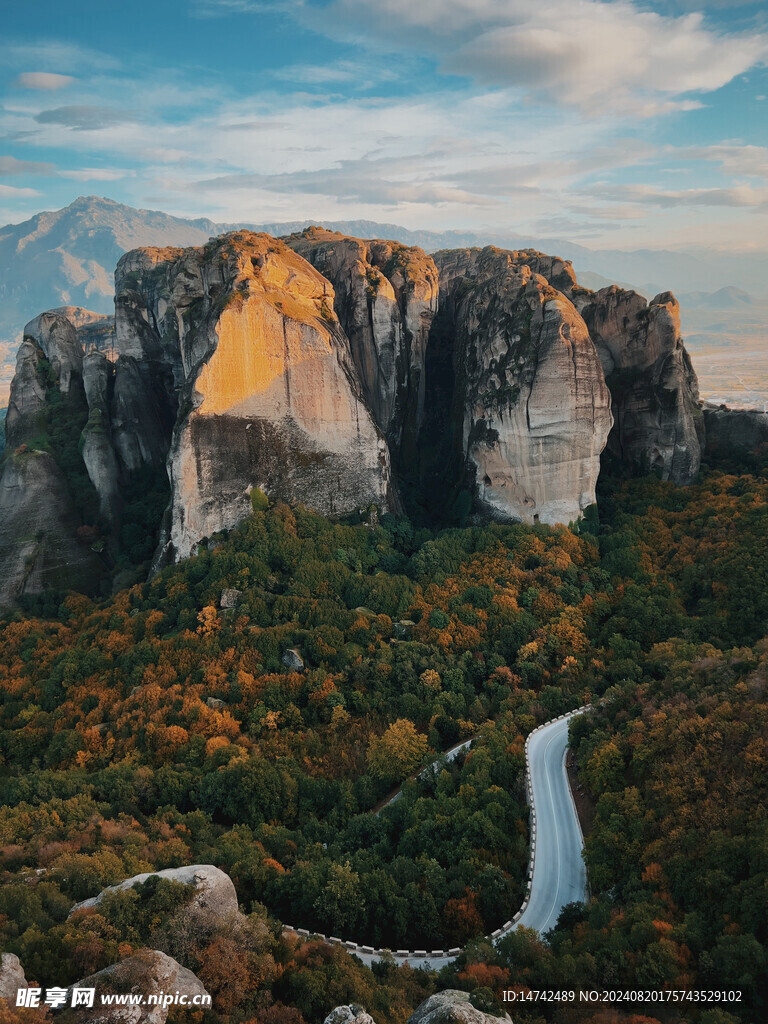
559,876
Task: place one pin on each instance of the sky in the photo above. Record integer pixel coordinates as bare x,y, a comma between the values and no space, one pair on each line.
627,124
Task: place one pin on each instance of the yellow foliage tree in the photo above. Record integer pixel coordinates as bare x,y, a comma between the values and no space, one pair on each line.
398,752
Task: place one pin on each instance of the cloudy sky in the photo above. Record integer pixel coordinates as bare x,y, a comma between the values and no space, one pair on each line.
619,124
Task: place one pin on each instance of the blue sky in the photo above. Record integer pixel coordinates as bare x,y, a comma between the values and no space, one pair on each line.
626,124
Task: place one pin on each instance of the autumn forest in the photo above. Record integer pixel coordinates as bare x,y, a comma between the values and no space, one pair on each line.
253,706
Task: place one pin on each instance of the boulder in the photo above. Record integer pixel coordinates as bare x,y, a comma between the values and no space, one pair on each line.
453,1007
352,1014
11,976
230,598
293,660
214,902
148,972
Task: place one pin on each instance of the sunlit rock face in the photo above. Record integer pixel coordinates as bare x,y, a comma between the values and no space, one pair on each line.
269,394
658,424
386,299
529,395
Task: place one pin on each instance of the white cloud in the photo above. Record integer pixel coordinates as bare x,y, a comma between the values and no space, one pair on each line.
736,160
9,192
94,174
735,196
9,165
586,53
45,80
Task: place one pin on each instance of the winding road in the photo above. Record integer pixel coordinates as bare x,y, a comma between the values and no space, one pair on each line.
559,876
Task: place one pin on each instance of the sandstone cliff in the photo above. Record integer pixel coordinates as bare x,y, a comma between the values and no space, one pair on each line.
386,299
657,421
530,408
304,368
269,395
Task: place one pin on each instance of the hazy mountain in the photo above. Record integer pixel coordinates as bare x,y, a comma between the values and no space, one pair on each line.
723,298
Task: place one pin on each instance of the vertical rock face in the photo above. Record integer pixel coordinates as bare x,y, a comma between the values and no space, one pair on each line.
48,339
39,546
26,405
386,299
657,421
270,396
97,445
529,391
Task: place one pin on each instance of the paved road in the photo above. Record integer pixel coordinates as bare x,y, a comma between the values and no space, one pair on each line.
559,875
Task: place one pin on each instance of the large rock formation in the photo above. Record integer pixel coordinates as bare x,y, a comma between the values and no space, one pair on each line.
214,901
50,355
269,393
301,368
386,298
39,517
147,973
737,432
453,1006
529,409
657,421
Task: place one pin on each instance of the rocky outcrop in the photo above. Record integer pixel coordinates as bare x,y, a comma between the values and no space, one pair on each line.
529,407
27,403
214,901
453,1007
270,396
655,396
11,977
734,431
57,338
352,1014
149,972
386,299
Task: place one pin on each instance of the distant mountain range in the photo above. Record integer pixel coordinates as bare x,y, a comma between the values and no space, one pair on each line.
68,257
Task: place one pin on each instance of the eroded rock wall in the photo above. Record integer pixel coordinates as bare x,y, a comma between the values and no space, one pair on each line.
270,396
386,299
529,387
658,424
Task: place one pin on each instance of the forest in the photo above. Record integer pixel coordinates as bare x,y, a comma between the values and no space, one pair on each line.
253,706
